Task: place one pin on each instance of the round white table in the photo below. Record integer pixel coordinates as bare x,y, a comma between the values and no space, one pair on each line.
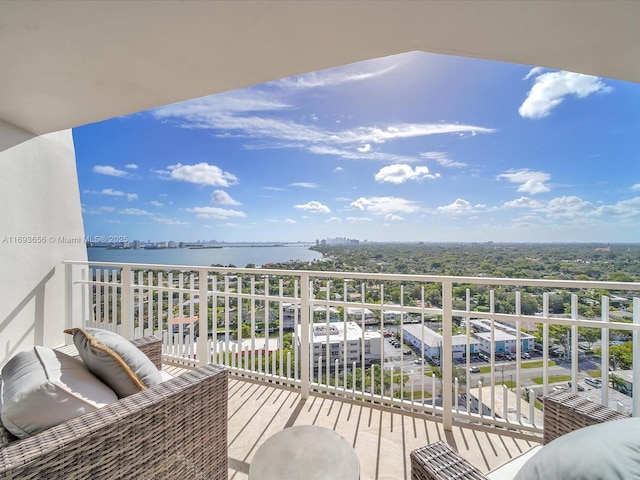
305,452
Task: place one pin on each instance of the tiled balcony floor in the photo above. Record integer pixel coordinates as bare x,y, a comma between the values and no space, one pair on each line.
382,439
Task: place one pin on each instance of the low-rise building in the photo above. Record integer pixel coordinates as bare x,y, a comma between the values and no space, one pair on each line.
504,337
359,314
418,335
291,315
346,342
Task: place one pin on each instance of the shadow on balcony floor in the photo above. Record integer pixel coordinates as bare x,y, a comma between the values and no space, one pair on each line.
382,438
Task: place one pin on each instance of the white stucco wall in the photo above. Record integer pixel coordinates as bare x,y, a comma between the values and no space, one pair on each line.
39,201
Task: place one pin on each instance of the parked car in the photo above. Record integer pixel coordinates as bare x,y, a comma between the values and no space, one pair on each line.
594,382
474,369
525,355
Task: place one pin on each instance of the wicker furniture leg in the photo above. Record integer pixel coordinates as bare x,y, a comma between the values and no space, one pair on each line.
439,461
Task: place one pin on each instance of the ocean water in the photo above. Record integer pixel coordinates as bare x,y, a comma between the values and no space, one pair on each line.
239,256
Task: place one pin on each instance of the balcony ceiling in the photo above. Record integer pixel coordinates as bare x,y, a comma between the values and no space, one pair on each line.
69,63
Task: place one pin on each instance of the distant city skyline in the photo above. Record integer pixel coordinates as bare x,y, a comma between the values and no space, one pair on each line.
411,147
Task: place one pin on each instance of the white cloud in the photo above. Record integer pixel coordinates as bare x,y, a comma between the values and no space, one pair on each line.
275,189
170,221
340,169
334,220
622,209
97,211
303,185
109,170
533,72
331,77
529,181
357,220
111,221
568,206
202,174
114,193
401,173
459,207
314,207
522,202
220,196
289,221
215,212
155,203
393,218
232,225
243,113
550,90
349,153
384,205
636,186
364,148
443,159
131,166
134,211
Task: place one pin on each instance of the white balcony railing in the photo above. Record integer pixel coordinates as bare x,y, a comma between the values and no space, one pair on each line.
325,332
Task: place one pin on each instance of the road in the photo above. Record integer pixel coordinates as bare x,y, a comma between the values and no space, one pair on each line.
505,371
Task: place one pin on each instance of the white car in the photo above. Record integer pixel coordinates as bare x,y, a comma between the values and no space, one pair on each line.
594,382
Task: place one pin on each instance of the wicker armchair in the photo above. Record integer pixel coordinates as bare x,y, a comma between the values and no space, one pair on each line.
563,413
177,429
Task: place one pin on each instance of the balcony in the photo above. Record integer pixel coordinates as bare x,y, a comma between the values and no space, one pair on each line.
302,352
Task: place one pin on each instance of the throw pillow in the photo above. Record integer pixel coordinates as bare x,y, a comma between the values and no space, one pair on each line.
42,387
115,360
606,451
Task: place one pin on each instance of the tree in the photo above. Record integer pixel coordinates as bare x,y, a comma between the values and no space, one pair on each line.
246,331
558,333
589,335
457,372
617,383
622,356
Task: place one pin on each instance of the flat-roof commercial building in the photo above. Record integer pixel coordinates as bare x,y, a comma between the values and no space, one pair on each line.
345,345
504,337
416,335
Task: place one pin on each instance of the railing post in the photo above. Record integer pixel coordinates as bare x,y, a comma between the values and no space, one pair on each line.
574,346
636,364
203,319
604,352
68,301
304,335
126,303
445,355
545,345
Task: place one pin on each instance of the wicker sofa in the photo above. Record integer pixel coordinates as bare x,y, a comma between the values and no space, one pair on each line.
177,429
564,412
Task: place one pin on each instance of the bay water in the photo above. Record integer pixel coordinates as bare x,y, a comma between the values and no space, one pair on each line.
237,255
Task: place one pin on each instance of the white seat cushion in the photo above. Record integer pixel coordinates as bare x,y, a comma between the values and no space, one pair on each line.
42,387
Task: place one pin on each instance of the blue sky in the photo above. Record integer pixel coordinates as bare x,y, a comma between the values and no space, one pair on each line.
412,147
